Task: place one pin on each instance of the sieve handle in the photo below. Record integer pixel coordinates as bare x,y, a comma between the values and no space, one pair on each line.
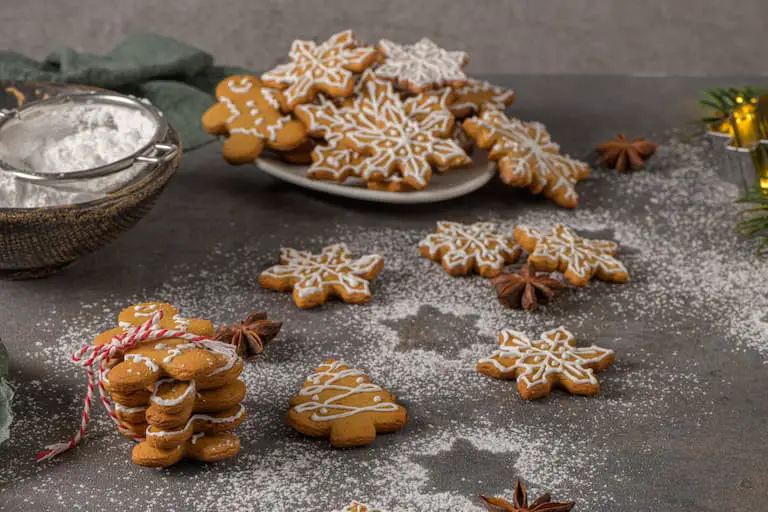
165,152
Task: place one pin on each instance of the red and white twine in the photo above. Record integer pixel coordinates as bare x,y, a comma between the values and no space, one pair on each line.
90,356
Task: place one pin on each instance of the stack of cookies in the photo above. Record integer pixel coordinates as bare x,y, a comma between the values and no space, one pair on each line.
387,116
181,399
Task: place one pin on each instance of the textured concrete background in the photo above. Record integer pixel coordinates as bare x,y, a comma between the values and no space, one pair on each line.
649,37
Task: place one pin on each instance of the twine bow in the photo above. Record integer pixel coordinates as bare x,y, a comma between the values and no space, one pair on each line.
90,356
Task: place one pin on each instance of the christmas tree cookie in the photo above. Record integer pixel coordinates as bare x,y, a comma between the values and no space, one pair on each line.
342,404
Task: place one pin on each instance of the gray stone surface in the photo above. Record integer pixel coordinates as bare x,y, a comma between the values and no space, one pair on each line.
652,37
680,422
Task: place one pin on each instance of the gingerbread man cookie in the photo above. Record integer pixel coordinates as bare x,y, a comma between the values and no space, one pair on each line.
341,403
578,258
315,277
552,360
249,115
165,382
327,67
201,446
462,248
527,157
421,66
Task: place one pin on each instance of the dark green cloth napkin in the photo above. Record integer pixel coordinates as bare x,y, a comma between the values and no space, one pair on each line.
177,78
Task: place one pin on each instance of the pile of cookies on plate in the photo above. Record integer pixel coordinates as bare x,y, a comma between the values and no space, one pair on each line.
387,116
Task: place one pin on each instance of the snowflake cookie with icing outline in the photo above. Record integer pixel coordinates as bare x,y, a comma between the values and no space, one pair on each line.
248,114
551,360
526,156
342,404
328,67
315,277
356,506
408,139
578,258
475,95
421,66
372,124
462,248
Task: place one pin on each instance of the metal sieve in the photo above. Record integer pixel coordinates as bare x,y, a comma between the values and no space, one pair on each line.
14,122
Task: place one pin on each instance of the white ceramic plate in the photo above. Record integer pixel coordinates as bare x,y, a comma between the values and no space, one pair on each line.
452,184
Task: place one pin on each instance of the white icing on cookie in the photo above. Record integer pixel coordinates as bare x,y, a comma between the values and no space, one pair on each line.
139,358
130,410
583,257
554,353
333,267
328,379
171,402
422,65
326,67
151,432
479,244
399,142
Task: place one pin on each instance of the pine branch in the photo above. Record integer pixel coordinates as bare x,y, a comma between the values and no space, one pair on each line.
719,102
756,225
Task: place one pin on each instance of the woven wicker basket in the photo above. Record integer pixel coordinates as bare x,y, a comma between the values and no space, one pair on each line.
37,242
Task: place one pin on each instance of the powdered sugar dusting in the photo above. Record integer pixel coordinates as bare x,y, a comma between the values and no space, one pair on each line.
693,312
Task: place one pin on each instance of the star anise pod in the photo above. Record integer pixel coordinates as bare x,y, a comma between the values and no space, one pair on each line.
526,288
519,503
250,335
621,153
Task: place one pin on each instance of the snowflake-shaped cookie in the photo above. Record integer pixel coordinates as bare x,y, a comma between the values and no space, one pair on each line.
475,95
552,360
249,115
400,142
315,277
327,67
578,258
462,248
334,162
527,157
422,65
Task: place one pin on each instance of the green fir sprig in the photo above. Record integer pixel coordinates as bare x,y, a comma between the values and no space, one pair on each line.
720,101
755,225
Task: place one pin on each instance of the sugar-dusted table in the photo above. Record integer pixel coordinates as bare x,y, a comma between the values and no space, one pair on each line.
679,425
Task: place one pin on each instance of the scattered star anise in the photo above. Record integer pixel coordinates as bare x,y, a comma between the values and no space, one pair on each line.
250,335
621,153
526,288
519,503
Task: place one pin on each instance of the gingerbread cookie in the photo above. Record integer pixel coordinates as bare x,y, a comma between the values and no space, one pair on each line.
377,136
208,423
327,67
401,144
527,157
462,248
332,161
578,258
167,381
315,277
302,155
356,506
202,447
392,184
421,66
552,360
342,403
249,115
475,95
